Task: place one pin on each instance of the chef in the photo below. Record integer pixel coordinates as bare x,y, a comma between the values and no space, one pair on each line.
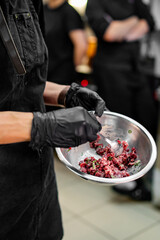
119,25
29,207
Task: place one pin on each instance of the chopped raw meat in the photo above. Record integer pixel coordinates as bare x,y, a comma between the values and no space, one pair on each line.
109,165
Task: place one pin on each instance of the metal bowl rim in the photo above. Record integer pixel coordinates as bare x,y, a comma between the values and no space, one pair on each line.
116,180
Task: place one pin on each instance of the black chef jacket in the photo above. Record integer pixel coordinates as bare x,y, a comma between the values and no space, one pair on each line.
116,69
100,13
29,207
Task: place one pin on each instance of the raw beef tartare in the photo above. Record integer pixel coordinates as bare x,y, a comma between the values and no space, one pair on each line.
109,165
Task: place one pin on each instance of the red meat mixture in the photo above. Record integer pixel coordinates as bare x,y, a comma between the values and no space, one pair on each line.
109,165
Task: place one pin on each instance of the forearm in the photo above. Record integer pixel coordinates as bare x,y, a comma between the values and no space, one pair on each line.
52,92
118,30
138,31
15,127
79,54
79,41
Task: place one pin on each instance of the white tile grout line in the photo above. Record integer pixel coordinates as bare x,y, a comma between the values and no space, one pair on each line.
81,219
103,233
88,210
146,214
148,228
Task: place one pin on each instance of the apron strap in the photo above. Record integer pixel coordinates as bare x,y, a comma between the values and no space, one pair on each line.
10,45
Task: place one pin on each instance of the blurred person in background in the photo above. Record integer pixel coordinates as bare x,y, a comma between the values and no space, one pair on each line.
66,41
29,206
119,25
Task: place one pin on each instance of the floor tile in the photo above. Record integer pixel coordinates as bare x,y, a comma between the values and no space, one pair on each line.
84,196
67,215
149,233
119,220
148,210
78,230
64,176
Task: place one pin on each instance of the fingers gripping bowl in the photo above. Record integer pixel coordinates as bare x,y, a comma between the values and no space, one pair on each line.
120,127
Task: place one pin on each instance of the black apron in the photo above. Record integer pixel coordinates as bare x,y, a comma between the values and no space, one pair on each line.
29,207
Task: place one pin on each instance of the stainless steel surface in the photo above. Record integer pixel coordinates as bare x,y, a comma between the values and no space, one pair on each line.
116,148
118,127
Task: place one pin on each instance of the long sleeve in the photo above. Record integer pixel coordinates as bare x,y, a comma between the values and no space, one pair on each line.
143,12
97,18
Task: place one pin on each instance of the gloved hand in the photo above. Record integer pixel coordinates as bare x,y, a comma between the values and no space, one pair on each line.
63,128
80,96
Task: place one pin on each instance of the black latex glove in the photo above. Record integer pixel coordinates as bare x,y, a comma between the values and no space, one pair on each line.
80,96
63,128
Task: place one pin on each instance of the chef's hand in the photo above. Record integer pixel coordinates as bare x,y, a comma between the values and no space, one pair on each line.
80,96
63,128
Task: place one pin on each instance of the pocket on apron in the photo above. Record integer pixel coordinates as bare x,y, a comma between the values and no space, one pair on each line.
30,38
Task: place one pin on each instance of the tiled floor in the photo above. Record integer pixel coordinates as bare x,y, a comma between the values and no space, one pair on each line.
93,212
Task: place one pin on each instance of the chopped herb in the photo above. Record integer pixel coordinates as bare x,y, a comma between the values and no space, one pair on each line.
94,165
110,158
129,131
69,149
137,163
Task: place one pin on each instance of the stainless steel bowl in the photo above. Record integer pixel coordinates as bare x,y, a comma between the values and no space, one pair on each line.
118,127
